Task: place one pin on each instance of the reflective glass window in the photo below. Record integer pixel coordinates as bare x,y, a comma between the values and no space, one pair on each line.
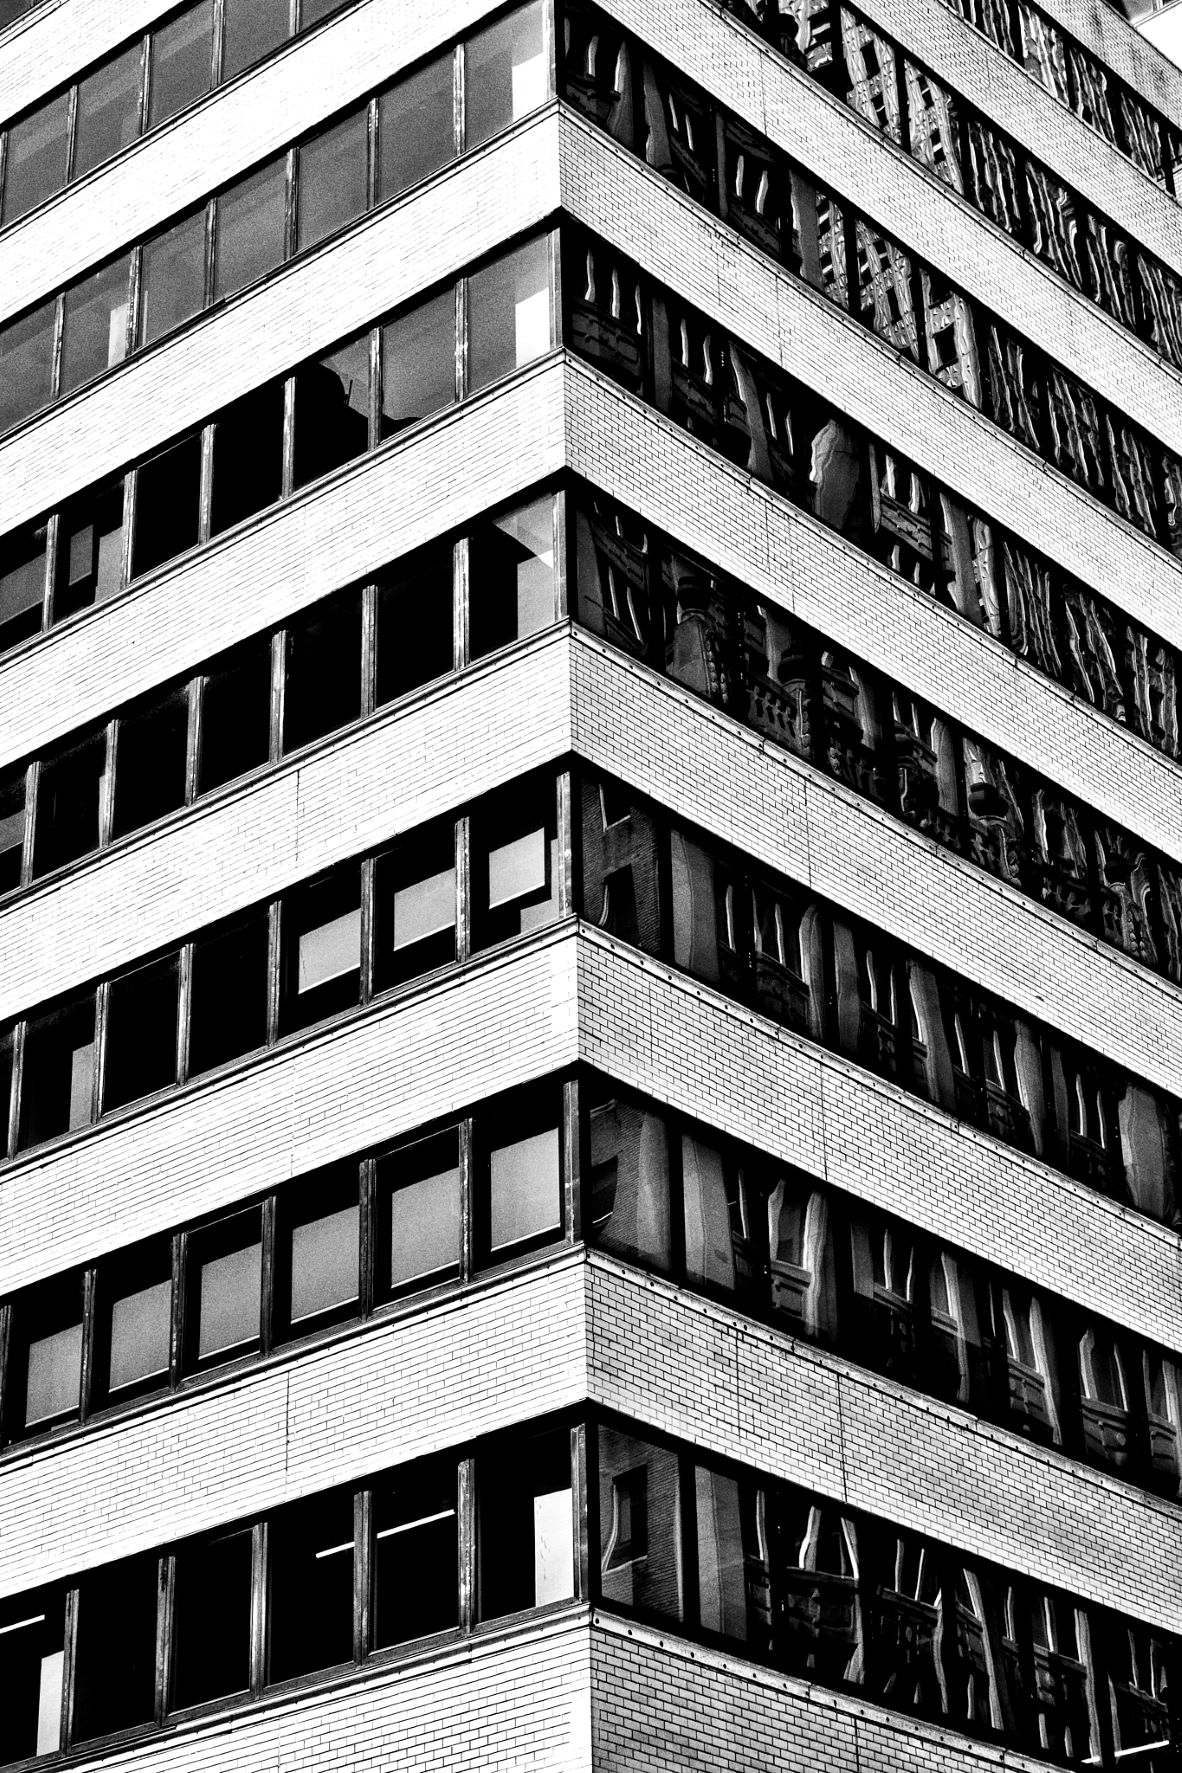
167,505
235,715
26,365
22,584
108,116
505,74
319,1250
57,1082
134,1319
94,325
332,179
32,1665
639,1524
249,228
511,576
36,161
310,1566
228,1007
524,1524
172,278
419,1193
224,1282
247,457
418,363
211,1618
181,62
252,29
115,1656
415,1554
508,313
150,761
141,1033
628,1182
415,898
515,871
69,791
416,127
89,550
415,621
331,410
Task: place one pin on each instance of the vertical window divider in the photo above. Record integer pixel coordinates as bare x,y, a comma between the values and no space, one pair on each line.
572,1205
554,275
563,577
135,278
550,46
165,1593
287,471
210,251
52,532
362,1564
205,490
291,197
176,1317
463,888
566,824
3,169
28,837
267,1289
466,1542
375,387
373,150
102,999
367,928
369,648
106,806
219,41
86,1386
5,1377
691,1599
461,381
69,1662
459,119
674,1133
193,696
184,1007
466,1140
59,328
71,132
130,490
367,1236
580,1485
278,652
141,124
273,939
258,1607
461,595
19,1043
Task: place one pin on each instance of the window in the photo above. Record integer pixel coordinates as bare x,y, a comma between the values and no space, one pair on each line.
310,1560
252,29
22,584
32,1663
251,217
180,62
35,166
134,1322
150,762
415,621
508,313
419,1202
26,364
525,1524
94,324
415,906
167,505
57,1079
322,682
115,1657
418,363
416,128
522,1158
223,1303
511,577
515,875
318,1251
45,1363
732,1573
172,277
505,73
332,180
228,993
235,721
322,948
141,1044
108,114
628,1180
639,1524
69,795
12,828
211,1618
415,1554
89,550
331,411
247,457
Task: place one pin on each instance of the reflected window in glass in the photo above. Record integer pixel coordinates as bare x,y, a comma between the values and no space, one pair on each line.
512,577
508,313
505,73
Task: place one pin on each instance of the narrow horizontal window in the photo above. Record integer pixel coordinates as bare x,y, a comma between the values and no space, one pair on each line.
522,1147
251,30
26,364
94,324
322,948
515,884
415,901
22,584
134,1322
90,550
319,1251
45,1366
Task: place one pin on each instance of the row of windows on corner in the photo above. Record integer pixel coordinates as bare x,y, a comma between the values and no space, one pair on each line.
289,204
500,1185
718,1552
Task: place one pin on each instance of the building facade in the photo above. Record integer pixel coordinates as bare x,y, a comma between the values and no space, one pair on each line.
590,886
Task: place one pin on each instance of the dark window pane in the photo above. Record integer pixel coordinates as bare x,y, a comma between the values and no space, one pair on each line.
639,1524
115,1659
225,1267
504,73
58,1076
36,165
247,457
416,127
419,363
172,280
211,1655
235,715
22,584
228,1014
32,1660
628,1185
312,11
521,1170
181,62
514,864
45,1366
419,1190
94,325
108,110
322,684
167,505
319,1250
68,793
141,1033
512,577
6,1059
134,1309
249,228
415,621
415,898
415,1566
508,313
12,832
322,948
332,411
89,550
332,185
253,28
150,762
310,1561
26,365
525,1531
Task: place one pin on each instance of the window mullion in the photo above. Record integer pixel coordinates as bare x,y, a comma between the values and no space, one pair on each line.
71,131
193,736
566,823
145,53
367,1230
69,1665
5,1346
258,1607
176,1330
459,121
562,575
467,1197
362,1572
571,1166
278,674
130,480
86,1386
19,1044
367,928
273,936
369,648
287,472
463,888
166,1589
29,838
184,1011
106,807
102,998
291,197
580,1493
461,294
466,1543
59,328
461,599
267,1288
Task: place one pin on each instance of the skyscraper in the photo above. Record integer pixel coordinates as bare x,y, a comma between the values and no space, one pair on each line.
590,886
